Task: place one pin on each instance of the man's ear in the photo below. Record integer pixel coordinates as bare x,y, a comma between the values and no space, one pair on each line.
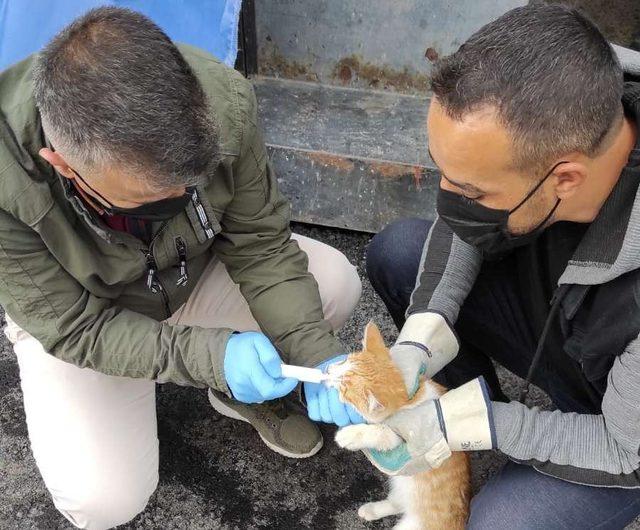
373,340
569,177
56,160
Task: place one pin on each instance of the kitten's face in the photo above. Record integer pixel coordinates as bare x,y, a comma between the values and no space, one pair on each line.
369,381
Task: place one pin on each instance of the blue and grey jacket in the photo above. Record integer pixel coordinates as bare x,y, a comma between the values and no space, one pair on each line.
600,318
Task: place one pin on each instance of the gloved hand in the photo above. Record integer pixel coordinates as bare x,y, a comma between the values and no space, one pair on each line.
412,361
323,403
425,345
459,421
252,369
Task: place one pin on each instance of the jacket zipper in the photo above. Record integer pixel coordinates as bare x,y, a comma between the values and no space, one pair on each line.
181,248
202,215
153,281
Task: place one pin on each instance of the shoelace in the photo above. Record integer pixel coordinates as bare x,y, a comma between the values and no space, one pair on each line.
277,407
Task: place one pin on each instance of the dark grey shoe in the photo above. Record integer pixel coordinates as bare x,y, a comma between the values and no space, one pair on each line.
281,426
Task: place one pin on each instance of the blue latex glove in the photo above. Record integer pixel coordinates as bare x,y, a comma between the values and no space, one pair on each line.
252,369
323,403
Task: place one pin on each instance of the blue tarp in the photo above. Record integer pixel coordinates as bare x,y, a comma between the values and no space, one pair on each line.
27,25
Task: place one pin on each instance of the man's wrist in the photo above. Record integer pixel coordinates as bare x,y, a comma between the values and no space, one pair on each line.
208,352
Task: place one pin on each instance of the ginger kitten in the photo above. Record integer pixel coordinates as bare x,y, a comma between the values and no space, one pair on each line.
370,382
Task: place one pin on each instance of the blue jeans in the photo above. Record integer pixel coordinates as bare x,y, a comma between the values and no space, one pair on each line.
517,497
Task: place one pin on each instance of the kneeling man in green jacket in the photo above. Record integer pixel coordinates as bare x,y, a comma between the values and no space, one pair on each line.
143,239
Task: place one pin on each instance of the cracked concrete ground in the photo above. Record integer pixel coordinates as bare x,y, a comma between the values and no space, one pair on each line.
215,473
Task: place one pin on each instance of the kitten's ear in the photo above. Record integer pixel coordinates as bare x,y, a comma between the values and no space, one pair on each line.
373,404
373,340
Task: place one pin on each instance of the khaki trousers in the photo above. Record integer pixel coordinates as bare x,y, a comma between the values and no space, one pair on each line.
94,436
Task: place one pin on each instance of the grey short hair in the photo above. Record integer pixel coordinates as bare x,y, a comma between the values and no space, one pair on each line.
552,76
112,89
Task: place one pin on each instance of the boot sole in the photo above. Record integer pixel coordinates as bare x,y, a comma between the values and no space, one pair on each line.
227,411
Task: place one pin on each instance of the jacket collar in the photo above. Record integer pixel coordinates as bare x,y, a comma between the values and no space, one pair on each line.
611,244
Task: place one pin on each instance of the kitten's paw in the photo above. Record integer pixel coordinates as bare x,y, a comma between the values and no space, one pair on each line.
357,437
352,437
368,511
387,439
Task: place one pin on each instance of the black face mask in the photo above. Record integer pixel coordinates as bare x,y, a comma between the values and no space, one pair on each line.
487,229
161,210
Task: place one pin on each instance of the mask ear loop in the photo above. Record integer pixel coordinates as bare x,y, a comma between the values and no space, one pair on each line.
537,186
106,206
90,200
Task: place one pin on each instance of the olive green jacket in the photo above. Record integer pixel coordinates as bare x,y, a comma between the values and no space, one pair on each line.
86,291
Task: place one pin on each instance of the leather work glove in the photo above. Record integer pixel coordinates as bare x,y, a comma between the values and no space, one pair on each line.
412,361
252,368
425,345
459,421
323,403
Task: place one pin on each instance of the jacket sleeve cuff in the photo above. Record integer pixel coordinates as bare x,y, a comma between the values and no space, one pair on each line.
209,352
430,332
332,350
467,417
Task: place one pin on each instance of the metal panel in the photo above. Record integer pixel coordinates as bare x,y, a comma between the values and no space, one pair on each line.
349,158
358,194
346,155
351,122
366,43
